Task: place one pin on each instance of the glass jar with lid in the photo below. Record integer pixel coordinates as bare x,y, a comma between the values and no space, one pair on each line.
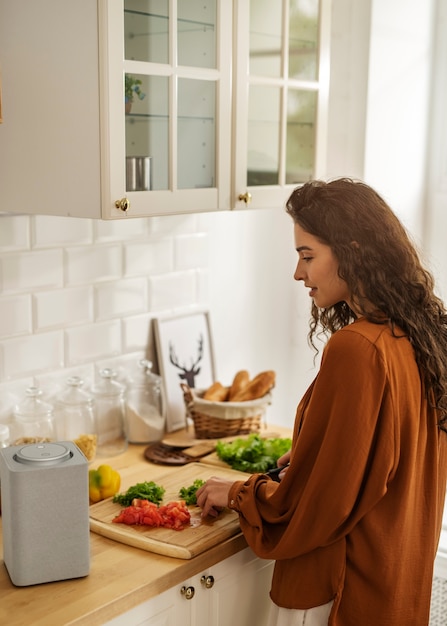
109,397
145,405
75,417
4,443
33,419
4,436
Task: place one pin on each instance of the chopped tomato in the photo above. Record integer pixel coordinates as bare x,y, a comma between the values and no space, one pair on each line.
142,512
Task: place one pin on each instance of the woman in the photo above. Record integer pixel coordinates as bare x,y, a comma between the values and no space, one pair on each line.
355,521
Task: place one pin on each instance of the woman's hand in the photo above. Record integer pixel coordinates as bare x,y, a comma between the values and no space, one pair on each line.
283,461
212,497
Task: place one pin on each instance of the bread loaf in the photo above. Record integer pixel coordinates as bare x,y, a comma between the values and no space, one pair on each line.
240,381
242,388
216,393
257,388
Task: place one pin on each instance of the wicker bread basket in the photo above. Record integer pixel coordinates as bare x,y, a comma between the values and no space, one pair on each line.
213,420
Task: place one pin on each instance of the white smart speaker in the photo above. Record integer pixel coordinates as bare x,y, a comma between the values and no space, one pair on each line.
45,512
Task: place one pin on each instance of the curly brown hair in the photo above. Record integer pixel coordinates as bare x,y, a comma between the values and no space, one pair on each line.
382,269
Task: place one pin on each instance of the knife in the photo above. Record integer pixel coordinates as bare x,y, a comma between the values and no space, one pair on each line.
275,472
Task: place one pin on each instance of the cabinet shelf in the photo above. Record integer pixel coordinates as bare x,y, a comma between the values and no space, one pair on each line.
273,123
296,46
185,25
132,118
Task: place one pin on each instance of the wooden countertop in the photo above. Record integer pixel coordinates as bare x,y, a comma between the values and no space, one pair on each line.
120,578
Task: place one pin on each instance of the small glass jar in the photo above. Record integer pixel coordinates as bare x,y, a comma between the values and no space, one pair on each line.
4,436
33,419
75,417
145,405
110,414
4,443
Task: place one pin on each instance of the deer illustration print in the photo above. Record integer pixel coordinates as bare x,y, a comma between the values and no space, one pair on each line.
187,374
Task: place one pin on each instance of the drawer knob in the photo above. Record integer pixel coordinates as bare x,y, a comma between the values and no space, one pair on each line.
188,592
207,581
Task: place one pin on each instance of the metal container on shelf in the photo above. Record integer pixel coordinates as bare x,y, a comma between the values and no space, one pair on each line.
138,173
145,405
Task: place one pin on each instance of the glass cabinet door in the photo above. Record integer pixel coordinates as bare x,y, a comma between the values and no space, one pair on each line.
175,104
283,93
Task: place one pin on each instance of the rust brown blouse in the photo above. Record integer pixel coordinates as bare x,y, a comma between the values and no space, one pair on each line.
357,516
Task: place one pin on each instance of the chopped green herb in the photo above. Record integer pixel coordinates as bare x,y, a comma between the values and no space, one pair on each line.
143,491
189,494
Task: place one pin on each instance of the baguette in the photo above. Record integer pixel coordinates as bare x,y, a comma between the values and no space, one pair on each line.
257,388
216,393
240,381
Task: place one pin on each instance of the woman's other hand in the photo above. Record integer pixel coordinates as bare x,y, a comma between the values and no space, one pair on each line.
212,497
283,461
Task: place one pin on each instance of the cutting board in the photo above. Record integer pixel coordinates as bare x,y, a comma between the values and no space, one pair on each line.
201,535
186,437
213,459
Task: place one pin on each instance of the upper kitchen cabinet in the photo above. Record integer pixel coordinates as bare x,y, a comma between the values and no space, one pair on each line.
170,133
131,108
281,98
68,141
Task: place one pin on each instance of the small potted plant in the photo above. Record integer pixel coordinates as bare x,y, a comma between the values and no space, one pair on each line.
132,88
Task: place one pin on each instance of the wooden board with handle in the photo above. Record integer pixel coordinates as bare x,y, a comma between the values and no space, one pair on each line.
213,459
201,535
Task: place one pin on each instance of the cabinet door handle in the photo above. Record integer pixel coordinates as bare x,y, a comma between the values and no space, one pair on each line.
207,581
122,204
246,197
188,592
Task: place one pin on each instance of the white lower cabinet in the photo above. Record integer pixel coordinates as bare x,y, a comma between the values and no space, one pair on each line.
234,592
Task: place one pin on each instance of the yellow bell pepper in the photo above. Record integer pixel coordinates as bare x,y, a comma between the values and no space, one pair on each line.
104,482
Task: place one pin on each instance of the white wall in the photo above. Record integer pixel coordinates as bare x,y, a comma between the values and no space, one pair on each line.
380,108
436,226
260,313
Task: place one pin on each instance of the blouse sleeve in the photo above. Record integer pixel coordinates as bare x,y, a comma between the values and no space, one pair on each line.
341,461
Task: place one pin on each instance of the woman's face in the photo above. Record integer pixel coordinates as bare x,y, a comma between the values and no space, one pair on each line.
318,268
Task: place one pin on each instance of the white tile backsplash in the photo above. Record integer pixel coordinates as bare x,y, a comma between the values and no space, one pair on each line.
11,393
14,233
120,230
77,295
93,342
141,259
120,298
136,331
30,355
32,270
15,315
171,225
172,291
63,307
191,251
88,264
54,231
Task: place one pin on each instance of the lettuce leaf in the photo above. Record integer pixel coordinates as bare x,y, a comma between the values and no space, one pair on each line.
253,454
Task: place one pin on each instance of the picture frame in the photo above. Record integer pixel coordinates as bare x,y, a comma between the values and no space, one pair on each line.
185,354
